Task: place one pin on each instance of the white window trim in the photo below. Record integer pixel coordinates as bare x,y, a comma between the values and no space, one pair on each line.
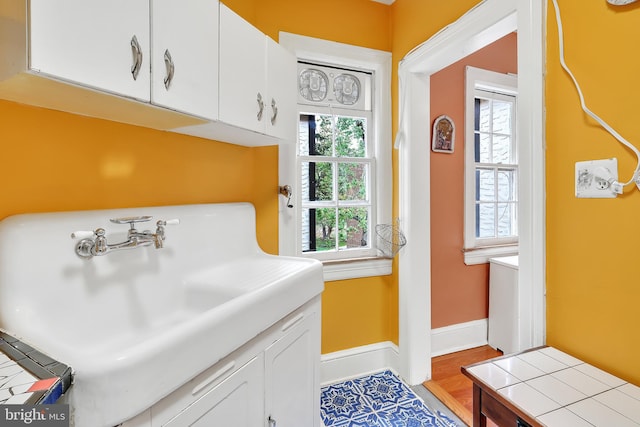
323,51
484,79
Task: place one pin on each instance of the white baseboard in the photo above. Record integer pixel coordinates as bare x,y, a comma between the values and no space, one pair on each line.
358,361
461,336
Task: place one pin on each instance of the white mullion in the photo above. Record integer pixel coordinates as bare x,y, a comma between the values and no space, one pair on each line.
334,182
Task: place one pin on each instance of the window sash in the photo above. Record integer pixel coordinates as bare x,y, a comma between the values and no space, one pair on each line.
368,203
497,88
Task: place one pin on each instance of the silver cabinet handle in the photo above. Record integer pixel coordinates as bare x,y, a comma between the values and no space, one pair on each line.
274,109
136,51
260,106
272,422
168,62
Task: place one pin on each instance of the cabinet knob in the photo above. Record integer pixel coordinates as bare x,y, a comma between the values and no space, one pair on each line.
272,422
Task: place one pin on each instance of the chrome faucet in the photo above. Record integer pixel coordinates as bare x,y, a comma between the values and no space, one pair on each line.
94,243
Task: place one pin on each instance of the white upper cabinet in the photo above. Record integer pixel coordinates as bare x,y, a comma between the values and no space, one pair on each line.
282,92
257,79
94,43
188,66
243,78
184,56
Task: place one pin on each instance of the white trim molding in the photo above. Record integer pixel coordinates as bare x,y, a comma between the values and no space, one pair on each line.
354,269
458,337
358,361
482,25
358,58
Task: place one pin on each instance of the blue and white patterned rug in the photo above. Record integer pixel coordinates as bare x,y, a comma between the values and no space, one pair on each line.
378,400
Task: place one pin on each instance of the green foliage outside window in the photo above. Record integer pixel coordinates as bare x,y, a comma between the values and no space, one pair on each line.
344,138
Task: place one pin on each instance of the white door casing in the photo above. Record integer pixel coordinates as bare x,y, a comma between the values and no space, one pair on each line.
487,22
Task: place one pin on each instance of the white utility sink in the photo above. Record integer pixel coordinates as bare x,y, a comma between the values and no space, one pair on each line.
137,324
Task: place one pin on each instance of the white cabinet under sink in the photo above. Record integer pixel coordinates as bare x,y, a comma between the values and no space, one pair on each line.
237,401
274,377
292,374
251,98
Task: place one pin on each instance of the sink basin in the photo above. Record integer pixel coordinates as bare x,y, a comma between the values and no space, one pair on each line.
137,324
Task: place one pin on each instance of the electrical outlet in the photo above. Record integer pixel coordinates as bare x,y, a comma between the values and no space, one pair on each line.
594,179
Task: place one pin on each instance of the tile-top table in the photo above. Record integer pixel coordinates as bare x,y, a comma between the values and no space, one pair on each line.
547,387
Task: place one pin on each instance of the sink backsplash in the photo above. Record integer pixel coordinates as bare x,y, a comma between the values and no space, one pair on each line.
39,265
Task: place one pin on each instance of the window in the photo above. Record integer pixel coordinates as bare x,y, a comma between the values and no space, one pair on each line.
337,179
341,163
491,166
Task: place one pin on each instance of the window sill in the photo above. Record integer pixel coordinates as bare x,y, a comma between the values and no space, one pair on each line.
482,255
356,268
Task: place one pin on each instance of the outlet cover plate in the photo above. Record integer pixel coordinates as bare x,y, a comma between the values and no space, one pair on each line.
592,185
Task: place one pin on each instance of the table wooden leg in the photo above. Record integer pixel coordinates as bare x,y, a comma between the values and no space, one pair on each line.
479,419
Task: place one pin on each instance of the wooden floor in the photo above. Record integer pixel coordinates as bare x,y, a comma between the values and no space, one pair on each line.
449,384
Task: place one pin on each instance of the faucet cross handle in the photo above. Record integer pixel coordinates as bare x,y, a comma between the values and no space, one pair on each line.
160,236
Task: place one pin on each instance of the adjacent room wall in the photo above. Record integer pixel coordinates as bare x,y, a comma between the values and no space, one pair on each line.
459,292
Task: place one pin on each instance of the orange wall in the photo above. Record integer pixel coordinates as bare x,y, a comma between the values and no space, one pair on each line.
454,284
592,257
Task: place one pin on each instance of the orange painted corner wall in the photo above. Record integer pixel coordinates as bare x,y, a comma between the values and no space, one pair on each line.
453,283
592,259
55,161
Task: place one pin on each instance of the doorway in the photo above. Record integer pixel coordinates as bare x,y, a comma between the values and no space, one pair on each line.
487,22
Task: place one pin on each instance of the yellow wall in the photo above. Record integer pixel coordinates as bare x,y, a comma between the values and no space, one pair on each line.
592,274
53,161
361,311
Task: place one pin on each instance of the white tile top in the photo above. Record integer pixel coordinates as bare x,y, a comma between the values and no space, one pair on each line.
559,390
561,356
600,375
493,375
581,381
563,418
600,415
631,390
542,361
622,403
529,399
519,368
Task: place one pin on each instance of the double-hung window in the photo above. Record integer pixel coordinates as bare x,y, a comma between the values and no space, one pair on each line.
337,174
340,165
491,166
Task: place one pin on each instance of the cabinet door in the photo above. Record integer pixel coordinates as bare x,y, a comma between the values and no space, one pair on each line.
237,401
242,72
282,86
89,42
292,390
184,72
